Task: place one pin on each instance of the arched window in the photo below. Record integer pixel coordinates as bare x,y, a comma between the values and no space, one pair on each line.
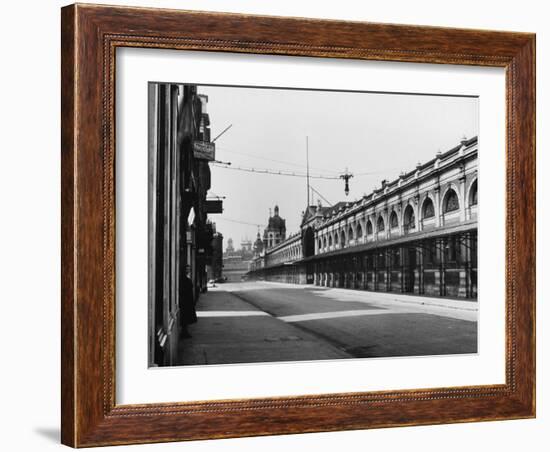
428,209
336,239
393,220
380,224
473,194
359,232
342,238
330,240
324,242
450,203
320,244
408,218
369,227
350,234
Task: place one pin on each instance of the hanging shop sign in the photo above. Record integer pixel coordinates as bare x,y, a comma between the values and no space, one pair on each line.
214,206
204,150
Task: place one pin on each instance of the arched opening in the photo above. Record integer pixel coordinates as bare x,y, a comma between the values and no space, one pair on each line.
428,209
369,227
450,202
472,198
336,239
380,224
330,240
324,242
394,222
342,238
308,242
408,219
359,232
350,234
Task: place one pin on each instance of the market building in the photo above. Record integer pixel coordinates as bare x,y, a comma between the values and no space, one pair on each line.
416,234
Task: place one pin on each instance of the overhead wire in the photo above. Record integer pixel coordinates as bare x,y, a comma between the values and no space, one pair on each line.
287,172
295,164
232,220
222,218
274,172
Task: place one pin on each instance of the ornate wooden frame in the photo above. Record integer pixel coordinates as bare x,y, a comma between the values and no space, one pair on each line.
90,35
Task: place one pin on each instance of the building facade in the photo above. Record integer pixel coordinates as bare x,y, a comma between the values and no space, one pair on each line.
180,237
275,232
416,234
214,267
237,262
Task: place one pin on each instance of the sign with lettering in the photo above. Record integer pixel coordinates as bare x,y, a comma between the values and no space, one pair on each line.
204,150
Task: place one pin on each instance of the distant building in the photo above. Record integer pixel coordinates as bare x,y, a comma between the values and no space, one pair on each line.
230,249
215,267
246,246
258,245
236,262
275,232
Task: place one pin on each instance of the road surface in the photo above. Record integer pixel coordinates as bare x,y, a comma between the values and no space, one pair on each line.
254,322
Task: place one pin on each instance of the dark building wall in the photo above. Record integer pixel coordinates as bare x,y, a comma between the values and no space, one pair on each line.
178,183
215,269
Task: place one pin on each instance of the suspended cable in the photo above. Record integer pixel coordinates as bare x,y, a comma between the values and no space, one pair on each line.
288,173
231,220
275,172
295,164
222,218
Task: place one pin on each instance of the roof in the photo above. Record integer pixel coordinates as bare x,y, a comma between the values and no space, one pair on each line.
276,222
405,178
314,211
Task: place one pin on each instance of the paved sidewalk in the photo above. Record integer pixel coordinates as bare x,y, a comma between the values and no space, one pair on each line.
450,303
230,330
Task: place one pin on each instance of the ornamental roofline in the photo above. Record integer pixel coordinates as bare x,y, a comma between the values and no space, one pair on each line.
287,241
344,209
404,180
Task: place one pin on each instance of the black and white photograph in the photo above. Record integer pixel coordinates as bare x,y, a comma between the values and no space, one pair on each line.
290,224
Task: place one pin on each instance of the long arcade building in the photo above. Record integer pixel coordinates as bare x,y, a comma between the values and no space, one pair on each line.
416,234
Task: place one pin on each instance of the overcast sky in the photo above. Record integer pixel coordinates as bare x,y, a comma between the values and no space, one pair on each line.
379,134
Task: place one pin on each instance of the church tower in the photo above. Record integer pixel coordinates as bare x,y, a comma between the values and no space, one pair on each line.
275,232
230,248
258,244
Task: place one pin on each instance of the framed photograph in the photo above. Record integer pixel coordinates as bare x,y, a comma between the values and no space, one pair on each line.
272,225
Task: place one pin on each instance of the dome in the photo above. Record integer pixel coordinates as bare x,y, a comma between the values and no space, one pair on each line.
276,222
